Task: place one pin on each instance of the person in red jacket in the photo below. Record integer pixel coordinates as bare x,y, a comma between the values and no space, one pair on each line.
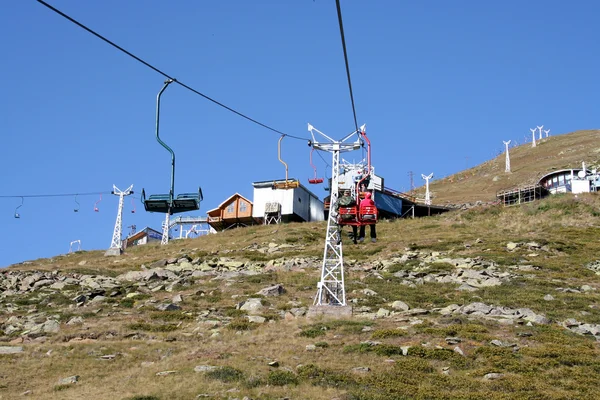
367,202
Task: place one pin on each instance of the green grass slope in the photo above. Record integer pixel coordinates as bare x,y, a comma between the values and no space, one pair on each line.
528,165
125,348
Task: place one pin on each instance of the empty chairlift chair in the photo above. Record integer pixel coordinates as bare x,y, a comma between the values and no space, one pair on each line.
169,203
288,183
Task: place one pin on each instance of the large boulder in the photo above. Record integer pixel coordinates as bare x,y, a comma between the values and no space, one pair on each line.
251,306
274,290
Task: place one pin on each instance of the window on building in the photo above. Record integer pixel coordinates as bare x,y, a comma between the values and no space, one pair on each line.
243,206
230,208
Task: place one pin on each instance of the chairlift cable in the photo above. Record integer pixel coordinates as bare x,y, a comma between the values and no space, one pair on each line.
152,67
339,13
326,163
52,195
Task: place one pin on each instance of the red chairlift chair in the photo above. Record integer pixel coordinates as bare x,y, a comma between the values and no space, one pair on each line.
96,209
356,215
315,180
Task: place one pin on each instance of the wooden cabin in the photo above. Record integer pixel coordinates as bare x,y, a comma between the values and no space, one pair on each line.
234,212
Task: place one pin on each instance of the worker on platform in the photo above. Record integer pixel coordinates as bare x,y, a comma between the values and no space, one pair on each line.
363,207
346,200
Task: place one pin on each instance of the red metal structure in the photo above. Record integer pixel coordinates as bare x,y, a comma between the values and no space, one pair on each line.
315,180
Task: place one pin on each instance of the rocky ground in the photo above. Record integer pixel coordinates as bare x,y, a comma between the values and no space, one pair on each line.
477,318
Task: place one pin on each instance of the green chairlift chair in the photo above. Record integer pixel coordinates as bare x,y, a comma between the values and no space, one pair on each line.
169,203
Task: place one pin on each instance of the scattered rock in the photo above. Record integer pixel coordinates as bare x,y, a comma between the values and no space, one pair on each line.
453,340
69,380
400,305
256,319
167,307
165,373
511,246
205,368
458,350
493,376
274,290
252,306
75,321
10,349
177,299
382,313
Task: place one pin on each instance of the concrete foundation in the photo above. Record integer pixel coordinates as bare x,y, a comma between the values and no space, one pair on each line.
329,311
113,252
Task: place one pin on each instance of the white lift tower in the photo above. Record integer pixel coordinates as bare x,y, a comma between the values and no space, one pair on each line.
330,289
507,160
115,244
427,194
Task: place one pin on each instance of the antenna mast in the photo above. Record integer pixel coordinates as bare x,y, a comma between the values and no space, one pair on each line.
330,289
427,197
115,244
507,169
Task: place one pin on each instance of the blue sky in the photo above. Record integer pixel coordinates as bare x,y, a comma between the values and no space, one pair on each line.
440,85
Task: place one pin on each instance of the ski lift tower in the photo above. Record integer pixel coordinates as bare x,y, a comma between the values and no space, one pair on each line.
115,244
330,289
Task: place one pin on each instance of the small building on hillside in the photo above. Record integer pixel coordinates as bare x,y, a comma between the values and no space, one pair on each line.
235,211
296,204
146,235
575,180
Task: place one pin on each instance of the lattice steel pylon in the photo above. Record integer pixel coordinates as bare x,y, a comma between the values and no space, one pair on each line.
330,289
115,244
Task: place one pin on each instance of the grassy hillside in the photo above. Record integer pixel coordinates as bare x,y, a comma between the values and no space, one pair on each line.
499,303
528,165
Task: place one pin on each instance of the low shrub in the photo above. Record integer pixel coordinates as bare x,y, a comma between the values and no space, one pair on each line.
226,374
142,326
282,378
241,324
313,332
388,333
